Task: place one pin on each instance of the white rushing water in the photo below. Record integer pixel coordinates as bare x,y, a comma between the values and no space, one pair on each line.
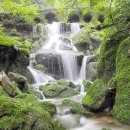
67,59
84,65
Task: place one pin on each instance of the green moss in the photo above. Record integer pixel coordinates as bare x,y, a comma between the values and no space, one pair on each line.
25,113
95,95
82,37
32,100
121,108
107,63
58,126
58,89
76,108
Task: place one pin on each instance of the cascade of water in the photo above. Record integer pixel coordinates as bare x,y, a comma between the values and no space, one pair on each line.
62,48
83,67
70,67
38,76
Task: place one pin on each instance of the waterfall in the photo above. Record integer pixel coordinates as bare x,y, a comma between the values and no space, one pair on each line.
60,44
70,67
83,67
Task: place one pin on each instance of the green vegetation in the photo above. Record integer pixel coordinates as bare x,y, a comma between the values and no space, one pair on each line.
24,114
76,108
121,108
58,89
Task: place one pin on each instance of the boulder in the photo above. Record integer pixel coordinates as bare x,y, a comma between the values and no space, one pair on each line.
58,89
10,87
86,39
26,113
76,108
99,97
87,84
21,81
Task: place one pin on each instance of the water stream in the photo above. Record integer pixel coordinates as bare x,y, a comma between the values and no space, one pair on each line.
59,43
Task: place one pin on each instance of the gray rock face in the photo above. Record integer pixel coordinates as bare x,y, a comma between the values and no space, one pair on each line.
91,70
9,86
13,60
20,80
53,64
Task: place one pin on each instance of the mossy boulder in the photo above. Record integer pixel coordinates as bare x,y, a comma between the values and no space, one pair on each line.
58,126
121,108
107,61
87,84
86,39
76,108
95,95
99,97
9,87
25,113
21,81
58,89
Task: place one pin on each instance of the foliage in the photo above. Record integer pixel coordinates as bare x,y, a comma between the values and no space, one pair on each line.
21,10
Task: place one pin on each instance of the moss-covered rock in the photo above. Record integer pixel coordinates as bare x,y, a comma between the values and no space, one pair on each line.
11,88
58,89
95,95
58,126
99,97
107,62
122,102
86,39
87,84
24,113
21,81
76,108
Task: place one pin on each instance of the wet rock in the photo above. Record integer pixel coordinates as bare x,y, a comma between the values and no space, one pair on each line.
91,70
73,18
58,126
13,61
21,81
58,89
10,87
87,84
51,63
76,108
99,97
